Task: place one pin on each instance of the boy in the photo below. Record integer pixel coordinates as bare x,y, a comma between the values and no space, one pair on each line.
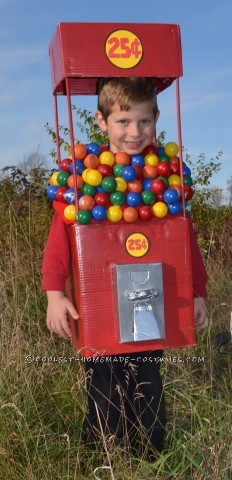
125,400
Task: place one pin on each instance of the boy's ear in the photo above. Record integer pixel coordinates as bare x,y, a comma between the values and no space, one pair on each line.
100,121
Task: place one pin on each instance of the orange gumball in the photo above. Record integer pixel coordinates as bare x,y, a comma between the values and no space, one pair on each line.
135,186
86,202
122,158
79,151
149,171
130,214
91,161
79,181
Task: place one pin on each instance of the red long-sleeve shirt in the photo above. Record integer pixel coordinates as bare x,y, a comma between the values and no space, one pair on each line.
57,259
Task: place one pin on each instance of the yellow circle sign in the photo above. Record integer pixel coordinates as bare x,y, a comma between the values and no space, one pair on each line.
124,49
137,245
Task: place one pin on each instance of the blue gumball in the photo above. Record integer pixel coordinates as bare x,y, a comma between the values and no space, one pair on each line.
160,150
69,196
99,213
186,170
80,167
100,189
133,199
129,173
93,148
146,183
175,208
51,192
170,196
137,160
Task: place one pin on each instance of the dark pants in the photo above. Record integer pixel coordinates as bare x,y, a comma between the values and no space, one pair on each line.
126,400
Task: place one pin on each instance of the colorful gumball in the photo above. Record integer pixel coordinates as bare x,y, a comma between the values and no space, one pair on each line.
163,157
135,186
70,212
93,177
175,208
171,149
53,179
158,186
107,158
122,158
117,198
130,214
178,190
105,170
117,169
137,160
79,151
129,174
165,180
93,148
64,165
163,168
121,184
188,193
150,149
139,172
159,209
170,196
88,190
146,183
175,167
91,161
79,181
114,213
109,184
174,180
145,213
51,191
60,194
86,202
151,159
148,197
84,217
99,213
62,178
79,167
160,150
149,171
69,196
186,170
187,181
133,199
102,198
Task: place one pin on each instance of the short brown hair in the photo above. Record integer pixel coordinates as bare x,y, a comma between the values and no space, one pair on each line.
127,91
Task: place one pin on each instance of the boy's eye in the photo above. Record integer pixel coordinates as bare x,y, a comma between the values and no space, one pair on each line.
146,120
123,122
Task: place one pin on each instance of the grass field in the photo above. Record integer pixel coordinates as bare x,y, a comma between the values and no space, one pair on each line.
42,399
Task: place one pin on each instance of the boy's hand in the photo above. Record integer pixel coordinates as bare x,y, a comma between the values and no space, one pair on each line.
58,307
200,313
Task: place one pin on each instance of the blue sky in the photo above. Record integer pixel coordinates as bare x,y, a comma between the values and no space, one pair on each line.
26,104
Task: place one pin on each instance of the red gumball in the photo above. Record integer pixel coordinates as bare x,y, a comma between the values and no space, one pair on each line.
145,212
164,169
149,149
139,171
159,197
174,159
175,168
60,194
104,147
158,186
102,198
105,170
64,165
188,193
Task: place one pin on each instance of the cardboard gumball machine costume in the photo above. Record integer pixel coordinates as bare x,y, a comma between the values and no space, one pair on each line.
132,282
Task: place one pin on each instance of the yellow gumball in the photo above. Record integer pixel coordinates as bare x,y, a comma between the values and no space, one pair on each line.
174,179
93,177
171,149
53,179
70,212
151,159
160,209
114,213
107,158
121,184
84,174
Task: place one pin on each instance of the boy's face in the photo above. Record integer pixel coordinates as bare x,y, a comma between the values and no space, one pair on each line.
130,131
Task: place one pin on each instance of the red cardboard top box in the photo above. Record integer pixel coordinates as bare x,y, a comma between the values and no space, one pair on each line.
84,52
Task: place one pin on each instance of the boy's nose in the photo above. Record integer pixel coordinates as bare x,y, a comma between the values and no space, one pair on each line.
134,129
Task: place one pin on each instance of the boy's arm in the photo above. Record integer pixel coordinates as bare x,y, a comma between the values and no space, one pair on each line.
56,270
